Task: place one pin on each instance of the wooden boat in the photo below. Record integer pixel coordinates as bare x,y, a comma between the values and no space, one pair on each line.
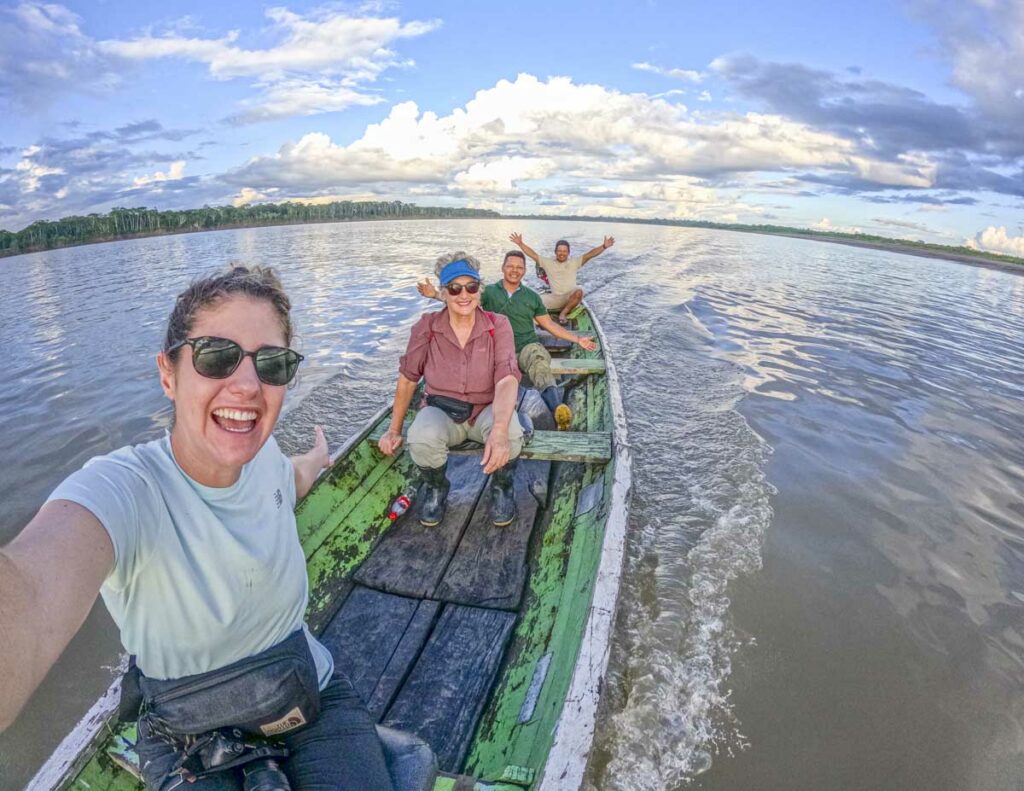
488,643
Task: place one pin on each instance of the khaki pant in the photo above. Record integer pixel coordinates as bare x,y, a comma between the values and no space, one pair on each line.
433,432
535,361
555,301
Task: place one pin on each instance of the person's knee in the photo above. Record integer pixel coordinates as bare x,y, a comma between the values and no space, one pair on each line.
428,449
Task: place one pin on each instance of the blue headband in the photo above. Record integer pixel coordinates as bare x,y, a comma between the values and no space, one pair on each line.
457,269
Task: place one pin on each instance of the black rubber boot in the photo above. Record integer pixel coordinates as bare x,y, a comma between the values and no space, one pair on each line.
503,495
435,494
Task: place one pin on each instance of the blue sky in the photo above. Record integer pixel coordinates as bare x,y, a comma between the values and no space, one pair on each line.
901,118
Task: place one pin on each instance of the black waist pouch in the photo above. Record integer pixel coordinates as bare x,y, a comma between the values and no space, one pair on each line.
457,410
271,693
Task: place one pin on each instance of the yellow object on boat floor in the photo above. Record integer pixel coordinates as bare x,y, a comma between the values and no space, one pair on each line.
563,417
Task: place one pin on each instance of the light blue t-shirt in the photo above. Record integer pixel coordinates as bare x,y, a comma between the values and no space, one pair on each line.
202,576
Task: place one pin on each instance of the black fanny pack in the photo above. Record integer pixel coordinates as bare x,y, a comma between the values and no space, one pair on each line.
457,410
271,693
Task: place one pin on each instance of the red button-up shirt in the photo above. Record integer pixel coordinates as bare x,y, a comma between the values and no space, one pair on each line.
469,373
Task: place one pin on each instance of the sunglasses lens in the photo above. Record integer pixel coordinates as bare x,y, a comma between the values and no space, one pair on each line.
216,358
275,365
456,288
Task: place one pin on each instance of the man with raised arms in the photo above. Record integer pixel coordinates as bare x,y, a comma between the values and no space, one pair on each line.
525,311
560,273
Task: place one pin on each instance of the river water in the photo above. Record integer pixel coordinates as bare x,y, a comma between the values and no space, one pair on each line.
825,573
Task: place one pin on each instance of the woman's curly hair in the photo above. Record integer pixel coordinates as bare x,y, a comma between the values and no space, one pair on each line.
258,282
444,260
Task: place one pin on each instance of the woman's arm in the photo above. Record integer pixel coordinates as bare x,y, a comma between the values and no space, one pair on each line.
309,464
496,449
49,577
392,439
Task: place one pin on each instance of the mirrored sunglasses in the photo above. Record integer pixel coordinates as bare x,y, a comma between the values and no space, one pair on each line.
217,358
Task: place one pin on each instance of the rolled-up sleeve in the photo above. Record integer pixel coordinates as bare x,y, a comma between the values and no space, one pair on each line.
412,363
505,363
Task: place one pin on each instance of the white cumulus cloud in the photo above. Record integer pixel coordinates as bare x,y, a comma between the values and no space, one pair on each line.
554,136
320,64
997,240
686,75
174,173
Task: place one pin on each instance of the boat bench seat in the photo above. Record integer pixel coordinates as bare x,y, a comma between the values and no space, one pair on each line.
576,365
582,446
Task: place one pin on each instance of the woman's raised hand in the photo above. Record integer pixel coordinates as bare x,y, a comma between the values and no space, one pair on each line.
426,288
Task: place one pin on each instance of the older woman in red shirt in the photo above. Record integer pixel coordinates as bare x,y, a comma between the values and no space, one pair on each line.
468,360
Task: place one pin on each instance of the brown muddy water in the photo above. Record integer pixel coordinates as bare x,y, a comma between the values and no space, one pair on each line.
825,579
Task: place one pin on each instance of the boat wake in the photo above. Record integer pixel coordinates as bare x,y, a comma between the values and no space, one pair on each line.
699,514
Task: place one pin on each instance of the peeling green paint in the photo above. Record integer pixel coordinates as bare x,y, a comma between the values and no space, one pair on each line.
340,522
559,594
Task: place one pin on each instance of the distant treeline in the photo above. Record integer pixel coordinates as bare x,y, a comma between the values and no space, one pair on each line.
132,223
858,239
121,223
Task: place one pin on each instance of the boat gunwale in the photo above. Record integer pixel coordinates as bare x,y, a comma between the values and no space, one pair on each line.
569,755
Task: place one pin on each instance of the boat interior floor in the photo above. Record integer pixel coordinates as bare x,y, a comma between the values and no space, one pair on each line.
425,624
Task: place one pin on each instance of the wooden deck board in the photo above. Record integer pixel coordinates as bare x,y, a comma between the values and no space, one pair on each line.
489,566
411,559
577,365
375,638
581,446
405,655
446,691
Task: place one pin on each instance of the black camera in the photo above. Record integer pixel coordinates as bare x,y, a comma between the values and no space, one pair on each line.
264,774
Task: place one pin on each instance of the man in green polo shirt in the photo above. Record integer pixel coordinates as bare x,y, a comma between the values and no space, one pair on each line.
525,311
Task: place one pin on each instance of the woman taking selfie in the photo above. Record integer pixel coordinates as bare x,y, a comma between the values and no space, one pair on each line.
191,541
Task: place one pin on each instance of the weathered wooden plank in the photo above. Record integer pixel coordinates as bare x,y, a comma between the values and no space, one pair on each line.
411,559
442,699
576,365
405,654
489,566
364,634
581,446
330,567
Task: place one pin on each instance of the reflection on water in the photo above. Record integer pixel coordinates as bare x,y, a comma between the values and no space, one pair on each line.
825,570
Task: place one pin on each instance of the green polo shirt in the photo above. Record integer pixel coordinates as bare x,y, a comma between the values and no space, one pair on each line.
521,308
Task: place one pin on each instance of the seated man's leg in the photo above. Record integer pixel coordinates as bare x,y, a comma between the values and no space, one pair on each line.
340,749
554,301
503,498
430,436
574,299
535,362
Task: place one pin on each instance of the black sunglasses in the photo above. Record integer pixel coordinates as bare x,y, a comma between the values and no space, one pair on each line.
456,288
217,358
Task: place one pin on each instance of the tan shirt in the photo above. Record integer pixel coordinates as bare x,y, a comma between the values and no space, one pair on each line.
561,277
468,373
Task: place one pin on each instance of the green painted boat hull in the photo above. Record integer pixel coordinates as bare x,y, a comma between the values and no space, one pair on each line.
527,736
